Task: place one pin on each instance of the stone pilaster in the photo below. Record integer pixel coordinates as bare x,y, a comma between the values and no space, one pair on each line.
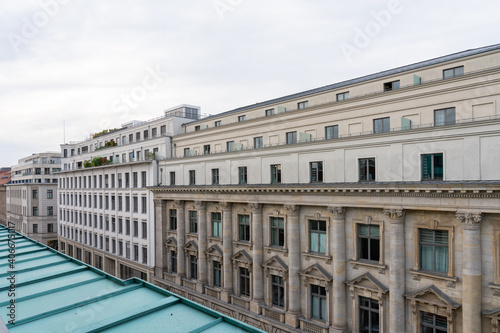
471,271
160,231
293,242
397,270
181,240
202,245
339,323
257,254
227,250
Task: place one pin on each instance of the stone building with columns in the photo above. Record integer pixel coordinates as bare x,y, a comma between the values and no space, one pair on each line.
370,205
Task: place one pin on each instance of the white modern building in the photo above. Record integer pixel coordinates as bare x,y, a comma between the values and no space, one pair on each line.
106,213
370,205
31,197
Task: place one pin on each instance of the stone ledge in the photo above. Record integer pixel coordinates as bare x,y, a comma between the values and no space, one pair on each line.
451,280
355,263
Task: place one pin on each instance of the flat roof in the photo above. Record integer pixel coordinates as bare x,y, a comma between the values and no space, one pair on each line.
48,291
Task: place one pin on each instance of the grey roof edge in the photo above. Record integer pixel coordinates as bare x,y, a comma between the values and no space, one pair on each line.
397,70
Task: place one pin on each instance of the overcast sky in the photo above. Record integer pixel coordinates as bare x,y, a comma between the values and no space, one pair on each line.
96,64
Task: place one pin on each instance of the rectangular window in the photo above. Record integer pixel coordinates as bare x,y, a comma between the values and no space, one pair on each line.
369,242
215,176
144,230
163,130
444,117
369,318
127,250
127,180
276,173
229,145
318,302
50,194
432,323
143,179
452,72
432,167
217,123
35,194
136,252
35,228
50,210
302,105
342,96
242,118
120,180
316,175
367,169
216,224
35,211
381,125
242,175
434,250
193,221
258,142
134,177
127,227
388,86
144,205
173,219
172,178
244,228
120,203
50,227
277,231
136,229
192,177
291,138
127,204
317,236
135,205
120,226
206,149
244,282
173,261
269,112
217,271
186,152
278,291
144,255
193,263
197,128
331,132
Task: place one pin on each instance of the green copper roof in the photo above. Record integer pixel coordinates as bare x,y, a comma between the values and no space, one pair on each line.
52,292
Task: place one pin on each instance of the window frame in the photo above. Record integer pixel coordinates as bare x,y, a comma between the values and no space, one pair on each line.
277,291
385,125
192,177
244,282
244,228
448,112
193,221
275,173
172,213
343,96
302,105
334,130
370,310
392,85
310,232
276,229
367,169
216,223
242,175
291,137
433,166
258,142
316,172
454,72
312,295
215,176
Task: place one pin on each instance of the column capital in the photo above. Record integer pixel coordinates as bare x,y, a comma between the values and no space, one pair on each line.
337,211
470,221
396,215
157,202
225,205
255,207
292,209
200,205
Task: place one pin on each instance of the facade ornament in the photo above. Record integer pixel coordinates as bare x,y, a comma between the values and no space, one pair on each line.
337,211
200,205
225,205
157,202
255,207
292,209
470,221
396,215
178,202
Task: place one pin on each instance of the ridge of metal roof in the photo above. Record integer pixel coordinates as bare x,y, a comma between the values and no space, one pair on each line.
47,291
397,70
